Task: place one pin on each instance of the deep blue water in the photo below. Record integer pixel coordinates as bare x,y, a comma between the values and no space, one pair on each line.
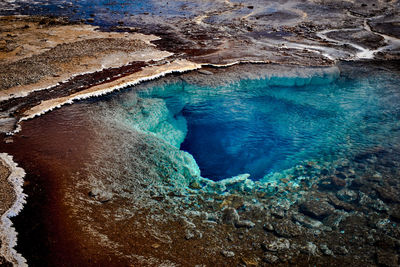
254,127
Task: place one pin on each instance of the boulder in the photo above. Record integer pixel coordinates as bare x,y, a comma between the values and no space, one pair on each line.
316,209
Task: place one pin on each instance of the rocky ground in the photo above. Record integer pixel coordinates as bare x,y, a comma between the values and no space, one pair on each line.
348,215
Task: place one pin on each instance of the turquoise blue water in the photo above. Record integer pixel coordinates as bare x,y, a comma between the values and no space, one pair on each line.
259,126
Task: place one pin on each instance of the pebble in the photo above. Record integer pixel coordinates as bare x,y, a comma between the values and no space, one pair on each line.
227,253
276,245
325,250
245,224
270,258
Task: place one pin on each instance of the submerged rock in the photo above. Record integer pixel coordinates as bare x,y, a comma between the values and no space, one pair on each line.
316,209
227,253
230,216
278,244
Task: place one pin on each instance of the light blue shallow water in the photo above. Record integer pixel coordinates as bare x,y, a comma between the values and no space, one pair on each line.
259,126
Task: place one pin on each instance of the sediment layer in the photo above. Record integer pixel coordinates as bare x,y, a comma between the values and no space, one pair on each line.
13,200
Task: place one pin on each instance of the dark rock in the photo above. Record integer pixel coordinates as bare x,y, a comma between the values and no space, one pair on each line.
325,250
347,195
316,209
338,182
333,220
287,228
230,216
244,224
268,227
306,221
387,258
388,194
340,204
395,213
341,250
324,172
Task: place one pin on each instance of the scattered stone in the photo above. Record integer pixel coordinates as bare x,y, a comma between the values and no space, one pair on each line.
245,224
310,249
347,195
278,244
388,194
333,220
340,204
100,195
270,258
287,228
341,250
155,245
205,72
395,213
195,185
278,213
306,221
387,258
337,182
230,216
227,253
268,227
250,261
325,250
316,209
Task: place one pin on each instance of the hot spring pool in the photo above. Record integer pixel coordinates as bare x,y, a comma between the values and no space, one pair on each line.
262,126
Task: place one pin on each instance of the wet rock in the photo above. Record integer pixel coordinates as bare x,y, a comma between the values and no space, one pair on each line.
277,244
195,185
375,204
227,253
333,221
191,233
316,209
100,195
270,258
395,213
387,258
310,249
341,250
388,194
244,224
306,221
287,228
338,183
340,204
268,227
205,72
347,195
250,261
278,213
325,250
230,216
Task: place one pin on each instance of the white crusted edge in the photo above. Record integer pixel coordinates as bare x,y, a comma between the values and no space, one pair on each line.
8,235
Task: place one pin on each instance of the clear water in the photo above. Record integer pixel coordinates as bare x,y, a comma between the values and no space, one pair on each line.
255,127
